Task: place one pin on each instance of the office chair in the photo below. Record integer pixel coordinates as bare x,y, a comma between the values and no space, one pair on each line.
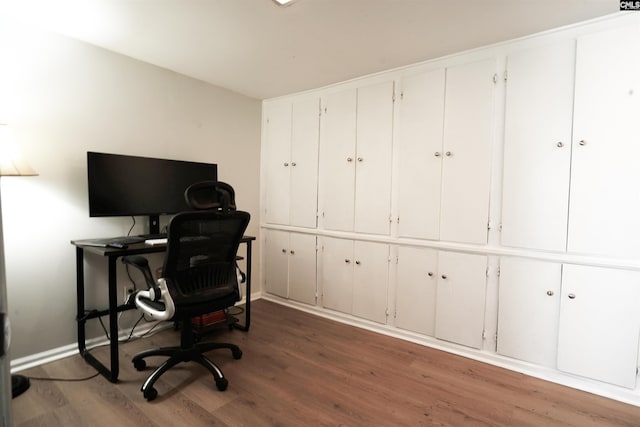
199,276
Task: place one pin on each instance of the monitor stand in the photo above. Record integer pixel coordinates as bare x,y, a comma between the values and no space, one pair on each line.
154,224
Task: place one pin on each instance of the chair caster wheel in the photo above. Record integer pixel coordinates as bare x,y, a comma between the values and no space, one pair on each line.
222,384
139,364
237,354
150,394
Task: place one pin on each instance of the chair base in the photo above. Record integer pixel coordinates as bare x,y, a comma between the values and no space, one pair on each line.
180,354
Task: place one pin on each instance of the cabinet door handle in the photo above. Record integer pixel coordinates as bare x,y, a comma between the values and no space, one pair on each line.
444,276
292,252
437,154
582,142
357,262
347,260
293,163
284,251
559,144
572,296
360,159
349,159
286,164
430,274
550,293
448,154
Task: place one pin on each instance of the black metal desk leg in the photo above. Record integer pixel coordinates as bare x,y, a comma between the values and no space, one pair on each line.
113,319
247,306
82,344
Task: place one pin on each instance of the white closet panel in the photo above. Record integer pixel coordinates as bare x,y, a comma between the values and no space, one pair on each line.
537,148
466,170
419,135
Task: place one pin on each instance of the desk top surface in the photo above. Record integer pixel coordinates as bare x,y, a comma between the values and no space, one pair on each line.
132,249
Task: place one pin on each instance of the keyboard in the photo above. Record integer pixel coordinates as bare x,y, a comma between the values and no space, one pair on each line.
153,242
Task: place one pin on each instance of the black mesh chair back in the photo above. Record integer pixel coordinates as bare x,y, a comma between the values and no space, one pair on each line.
200,263
211,195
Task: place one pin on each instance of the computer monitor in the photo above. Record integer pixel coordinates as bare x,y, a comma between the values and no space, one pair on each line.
122,185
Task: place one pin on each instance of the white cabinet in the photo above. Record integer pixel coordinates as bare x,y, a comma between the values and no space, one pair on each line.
419,134
537,147
441,294
416,284
291,161
290,268
581,319
570,167
468,134
600,324
605,202
445,133
460,300
529,310
355,277
356,147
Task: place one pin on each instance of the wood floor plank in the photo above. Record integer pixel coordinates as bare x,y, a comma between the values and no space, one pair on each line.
300,369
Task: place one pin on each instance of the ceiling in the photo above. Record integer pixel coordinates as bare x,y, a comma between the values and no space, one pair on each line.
261,50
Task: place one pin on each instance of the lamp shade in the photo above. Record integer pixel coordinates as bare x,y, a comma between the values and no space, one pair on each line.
11,161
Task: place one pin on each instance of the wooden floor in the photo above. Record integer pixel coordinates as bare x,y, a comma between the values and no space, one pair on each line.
303,370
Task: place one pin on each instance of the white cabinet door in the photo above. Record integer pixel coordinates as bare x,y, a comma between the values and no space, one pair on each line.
461,292
466,170
337,159
605,202
355,277
276,263
416,289
291,161
600,324
290,265
370,281
305,135
529,310
537,147
373,158
419,135
302,268
277,161
337,274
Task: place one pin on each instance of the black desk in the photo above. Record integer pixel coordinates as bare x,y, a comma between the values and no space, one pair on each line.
112,255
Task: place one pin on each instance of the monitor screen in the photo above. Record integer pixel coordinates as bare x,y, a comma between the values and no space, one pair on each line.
121,185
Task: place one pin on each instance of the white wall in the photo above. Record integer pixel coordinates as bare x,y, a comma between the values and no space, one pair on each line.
63,98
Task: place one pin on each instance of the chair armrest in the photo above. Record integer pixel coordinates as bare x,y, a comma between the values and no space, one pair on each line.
143,299
142,264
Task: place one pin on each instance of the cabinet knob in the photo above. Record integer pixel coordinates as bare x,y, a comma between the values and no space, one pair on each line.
559,144
550,293
430,274
444,276
572,296
357,262
286,164
582,142
347,260
448,154
293,163
284,251
437,154
292,252
360,159
349,159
